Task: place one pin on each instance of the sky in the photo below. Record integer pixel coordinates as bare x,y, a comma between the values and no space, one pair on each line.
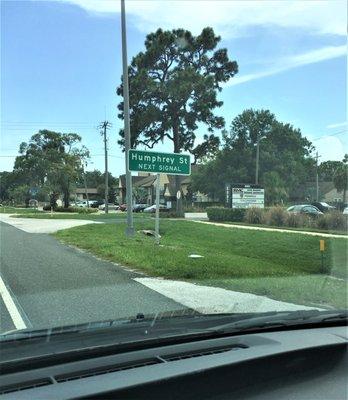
61,63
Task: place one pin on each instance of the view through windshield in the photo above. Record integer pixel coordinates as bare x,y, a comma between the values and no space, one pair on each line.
175,158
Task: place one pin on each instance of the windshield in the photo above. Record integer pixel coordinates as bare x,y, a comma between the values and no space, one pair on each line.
171,164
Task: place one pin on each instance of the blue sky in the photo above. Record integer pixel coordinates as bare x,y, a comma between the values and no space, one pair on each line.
61,63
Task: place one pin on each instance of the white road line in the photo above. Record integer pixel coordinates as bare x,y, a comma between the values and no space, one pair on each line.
11,307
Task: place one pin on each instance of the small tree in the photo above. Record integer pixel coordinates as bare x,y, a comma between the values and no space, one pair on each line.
275,188
340,178
53,160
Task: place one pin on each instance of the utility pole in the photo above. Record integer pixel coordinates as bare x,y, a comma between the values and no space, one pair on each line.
317,176
257,159
85,182
105,126
130,227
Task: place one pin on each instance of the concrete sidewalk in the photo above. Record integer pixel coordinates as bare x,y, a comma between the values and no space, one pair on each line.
259,228
36,225
209,299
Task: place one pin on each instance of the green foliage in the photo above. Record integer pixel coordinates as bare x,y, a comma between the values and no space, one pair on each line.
294,220
276,216
285,158
20,194
140,194
327,170
53,160
333,221
173,87
254,215
275,188
96,179
79,210
171,214
225,214
206,150
340,179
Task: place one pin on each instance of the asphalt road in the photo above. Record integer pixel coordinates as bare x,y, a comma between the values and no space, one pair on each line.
53,285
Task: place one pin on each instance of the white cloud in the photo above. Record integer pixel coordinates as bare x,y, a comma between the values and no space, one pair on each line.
294,61
338,125
228,17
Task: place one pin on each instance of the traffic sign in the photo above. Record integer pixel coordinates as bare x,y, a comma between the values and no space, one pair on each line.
165,163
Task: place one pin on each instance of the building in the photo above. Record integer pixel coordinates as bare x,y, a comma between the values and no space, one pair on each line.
333,196
144,189
80,194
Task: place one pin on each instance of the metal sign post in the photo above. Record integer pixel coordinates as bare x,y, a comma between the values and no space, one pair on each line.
157,237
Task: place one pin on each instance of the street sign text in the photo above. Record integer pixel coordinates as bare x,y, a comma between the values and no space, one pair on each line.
165,163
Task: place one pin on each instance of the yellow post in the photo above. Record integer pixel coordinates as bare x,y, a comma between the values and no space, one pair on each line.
322,249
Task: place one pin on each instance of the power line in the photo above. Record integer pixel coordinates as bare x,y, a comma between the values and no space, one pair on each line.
92,155
332,134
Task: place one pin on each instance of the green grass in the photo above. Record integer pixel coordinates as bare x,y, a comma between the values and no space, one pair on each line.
15,210
233,258
311,290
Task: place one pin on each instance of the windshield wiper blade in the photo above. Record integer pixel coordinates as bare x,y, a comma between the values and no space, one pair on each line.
284,319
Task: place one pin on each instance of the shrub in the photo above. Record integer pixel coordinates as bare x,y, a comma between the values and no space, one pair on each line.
276,216
171,214
294,220
333,220
322,222
79,210
226,214
254,215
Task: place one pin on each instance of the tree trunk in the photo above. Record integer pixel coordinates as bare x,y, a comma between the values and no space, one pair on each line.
344,197
177,177
66,198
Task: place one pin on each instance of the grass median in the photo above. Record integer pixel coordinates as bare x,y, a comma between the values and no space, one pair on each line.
17,210
283,266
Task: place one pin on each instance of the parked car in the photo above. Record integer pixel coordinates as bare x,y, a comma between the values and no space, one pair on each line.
307,209
81,204
96,203
111,206
345,211
152,209
323,207
139,207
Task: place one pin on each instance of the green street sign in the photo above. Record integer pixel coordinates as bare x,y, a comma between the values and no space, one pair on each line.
163,163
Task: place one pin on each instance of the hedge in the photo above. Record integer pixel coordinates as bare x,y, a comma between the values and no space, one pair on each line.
226,214
79,210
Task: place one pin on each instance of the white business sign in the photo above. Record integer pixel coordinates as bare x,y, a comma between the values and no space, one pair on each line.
245,197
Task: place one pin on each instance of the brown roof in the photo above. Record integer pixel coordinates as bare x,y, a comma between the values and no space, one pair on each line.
89,190
135,179
146,181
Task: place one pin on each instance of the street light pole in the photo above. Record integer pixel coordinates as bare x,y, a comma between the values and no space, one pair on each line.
257,159
130,227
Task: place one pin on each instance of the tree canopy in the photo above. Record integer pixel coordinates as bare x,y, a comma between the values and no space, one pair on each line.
173,87
285,158
96,179
51,160
340,177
